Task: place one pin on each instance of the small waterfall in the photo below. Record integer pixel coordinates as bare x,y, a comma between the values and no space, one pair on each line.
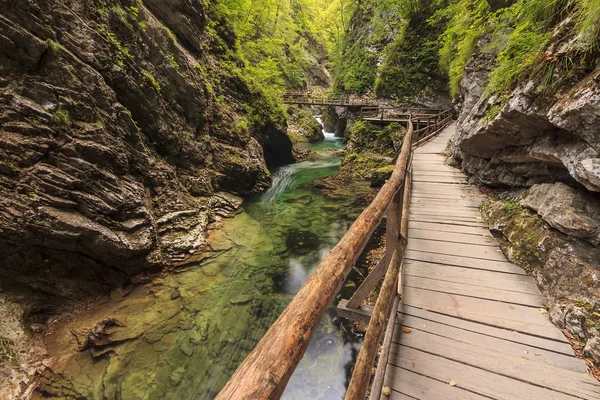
329,136
283,179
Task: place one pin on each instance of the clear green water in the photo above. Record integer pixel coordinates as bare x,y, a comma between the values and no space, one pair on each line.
182,335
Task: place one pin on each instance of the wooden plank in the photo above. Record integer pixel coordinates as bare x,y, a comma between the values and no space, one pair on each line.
409,385
438,179
452,211
362,313
434,219
534,300
452,237
448,221
441,201
491,343
456,249
519,318
431,226
540,374
561,347
462,261
467,377
471,276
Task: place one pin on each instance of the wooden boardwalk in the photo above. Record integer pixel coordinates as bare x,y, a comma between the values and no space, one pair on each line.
467,314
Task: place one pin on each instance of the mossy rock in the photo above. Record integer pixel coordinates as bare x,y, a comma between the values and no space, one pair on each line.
381,175
302,126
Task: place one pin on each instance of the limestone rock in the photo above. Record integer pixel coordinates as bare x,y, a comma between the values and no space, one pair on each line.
114,153
571,211
566,268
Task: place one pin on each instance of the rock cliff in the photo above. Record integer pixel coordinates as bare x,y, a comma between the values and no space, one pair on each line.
539,145
126,127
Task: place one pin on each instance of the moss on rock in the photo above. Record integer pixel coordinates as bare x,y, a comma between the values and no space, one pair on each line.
381,175
371,147
302,125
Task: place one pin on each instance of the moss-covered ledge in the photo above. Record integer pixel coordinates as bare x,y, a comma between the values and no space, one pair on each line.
567,269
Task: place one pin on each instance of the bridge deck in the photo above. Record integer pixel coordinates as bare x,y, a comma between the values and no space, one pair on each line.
474,318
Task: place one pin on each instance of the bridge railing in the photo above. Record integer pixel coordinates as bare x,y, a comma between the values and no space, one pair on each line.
266,371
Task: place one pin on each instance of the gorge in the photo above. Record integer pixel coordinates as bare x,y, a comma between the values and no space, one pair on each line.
160,205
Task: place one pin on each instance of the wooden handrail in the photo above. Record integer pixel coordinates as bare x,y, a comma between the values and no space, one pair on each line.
359,383
267,369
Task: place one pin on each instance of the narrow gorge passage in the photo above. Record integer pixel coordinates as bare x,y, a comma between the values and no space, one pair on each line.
182,335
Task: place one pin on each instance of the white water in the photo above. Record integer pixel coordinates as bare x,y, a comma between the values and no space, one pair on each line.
329,136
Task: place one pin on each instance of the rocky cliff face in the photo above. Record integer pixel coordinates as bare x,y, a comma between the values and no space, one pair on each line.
126,128
543,142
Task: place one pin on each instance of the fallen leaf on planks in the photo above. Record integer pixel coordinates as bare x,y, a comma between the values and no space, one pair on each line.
386,391
538,354
543,311
452,383
406,330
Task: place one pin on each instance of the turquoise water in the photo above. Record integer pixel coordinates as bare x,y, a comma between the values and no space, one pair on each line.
182,335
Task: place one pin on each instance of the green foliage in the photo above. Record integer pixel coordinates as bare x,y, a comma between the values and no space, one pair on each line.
410,59
519,33
61,117
123,50
54,47
151,79
512,207
523,50
468,21
274,38
400,78
173,61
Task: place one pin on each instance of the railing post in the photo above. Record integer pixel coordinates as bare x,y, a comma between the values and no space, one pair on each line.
392,233
359,383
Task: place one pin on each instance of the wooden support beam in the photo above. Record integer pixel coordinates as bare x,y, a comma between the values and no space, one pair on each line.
362,313
361,376
391,241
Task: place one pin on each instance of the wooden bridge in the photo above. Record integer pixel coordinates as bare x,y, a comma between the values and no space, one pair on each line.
308,99
453,319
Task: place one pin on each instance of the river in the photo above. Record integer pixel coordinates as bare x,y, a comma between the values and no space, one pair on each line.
182,335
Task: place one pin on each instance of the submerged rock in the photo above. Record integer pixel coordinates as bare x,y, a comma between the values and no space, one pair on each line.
302,242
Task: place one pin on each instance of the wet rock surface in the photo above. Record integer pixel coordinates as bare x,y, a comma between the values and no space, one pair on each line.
117,145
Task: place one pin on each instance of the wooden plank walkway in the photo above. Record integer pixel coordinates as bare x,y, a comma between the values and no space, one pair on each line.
474,317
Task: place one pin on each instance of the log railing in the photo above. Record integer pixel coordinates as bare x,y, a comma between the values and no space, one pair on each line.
266,371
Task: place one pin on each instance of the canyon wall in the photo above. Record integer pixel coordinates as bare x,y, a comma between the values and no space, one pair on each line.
538,146
127,127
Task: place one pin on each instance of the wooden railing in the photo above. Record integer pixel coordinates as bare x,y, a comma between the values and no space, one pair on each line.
328,101
266,371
